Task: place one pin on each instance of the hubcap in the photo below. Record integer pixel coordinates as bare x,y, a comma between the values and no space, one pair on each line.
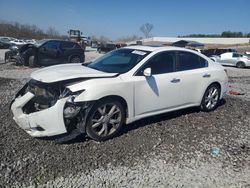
106,119
212,97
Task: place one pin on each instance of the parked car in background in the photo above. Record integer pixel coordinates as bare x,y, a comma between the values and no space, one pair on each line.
120,45
18,42
233,59
120,87
94,44
217,51
106,47
197,50
5,43
31,41
49,52
11,54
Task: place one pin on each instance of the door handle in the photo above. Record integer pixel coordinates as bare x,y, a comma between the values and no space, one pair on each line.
207,75
175,80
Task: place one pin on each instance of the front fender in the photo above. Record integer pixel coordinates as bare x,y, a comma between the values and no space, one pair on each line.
94,92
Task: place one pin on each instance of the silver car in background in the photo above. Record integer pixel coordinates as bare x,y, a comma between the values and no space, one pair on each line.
233,59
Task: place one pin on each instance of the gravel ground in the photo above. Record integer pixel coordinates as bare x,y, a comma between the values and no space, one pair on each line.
169,150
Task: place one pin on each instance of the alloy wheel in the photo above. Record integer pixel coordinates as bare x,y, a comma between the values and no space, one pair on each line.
212,97
106,119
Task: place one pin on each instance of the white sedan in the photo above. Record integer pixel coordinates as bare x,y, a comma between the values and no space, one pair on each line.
120,87
18,42
233,59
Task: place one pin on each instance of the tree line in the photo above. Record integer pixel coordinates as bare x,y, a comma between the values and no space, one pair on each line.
26,31
224,34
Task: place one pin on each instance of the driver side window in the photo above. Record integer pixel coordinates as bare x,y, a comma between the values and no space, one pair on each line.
161,63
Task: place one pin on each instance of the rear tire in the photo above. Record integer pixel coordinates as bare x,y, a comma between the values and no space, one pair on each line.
211,98
240,64
105,119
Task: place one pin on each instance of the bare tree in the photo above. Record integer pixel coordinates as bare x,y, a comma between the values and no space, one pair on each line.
146,29
52,32
26,31
128,38
100,38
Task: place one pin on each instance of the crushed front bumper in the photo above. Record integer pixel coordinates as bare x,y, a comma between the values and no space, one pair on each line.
47,122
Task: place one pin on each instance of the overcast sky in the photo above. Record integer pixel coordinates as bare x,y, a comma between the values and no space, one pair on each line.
117,18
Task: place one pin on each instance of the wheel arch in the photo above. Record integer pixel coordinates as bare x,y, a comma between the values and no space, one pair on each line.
212,83
118,98
241,62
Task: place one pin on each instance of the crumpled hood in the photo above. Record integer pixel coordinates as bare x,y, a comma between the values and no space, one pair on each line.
66,72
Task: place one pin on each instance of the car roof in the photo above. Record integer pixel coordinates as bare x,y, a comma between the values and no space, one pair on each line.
156,48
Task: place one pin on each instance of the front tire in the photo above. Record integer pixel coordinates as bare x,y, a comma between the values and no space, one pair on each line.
211,98
105,120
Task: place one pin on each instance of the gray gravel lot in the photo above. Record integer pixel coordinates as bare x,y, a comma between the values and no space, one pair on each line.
169,150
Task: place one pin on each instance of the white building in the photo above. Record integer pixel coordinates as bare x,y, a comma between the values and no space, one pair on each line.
201,40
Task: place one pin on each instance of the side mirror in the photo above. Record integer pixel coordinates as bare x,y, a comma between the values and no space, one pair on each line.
147,72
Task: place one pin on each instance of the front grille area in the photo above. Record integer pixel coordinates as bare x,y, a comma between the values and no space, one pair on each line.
46,96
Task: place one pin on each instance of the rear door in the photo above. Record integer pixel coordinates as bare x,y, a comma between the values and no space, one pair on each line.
193,73
235,58
66,50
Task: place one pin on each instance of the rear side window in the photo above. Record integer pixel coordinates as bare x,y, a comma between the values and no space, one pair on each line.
67,45
189,61
237,55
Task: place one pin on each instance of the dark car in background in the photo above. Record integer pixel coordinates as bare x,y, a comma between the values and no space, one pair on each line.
48,52
5,43
120,45
107,47
217,51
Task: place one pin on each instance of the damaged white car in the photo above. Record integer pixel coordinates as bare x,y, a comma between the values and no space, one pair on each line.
121,87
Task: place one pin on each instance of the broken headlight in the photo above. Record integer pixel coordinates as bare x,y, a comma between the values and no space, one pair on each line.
71,109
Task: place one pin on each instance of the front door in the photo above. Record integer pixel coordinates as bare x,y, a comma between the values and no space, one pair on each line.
160,91
49,53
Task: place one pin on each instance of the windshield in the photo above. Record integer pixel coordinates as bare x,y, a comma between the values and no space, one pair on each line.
118,61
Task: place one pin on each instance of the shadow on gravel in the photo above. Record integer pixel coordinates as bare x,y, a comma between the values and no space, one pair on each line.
163,117
78,139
